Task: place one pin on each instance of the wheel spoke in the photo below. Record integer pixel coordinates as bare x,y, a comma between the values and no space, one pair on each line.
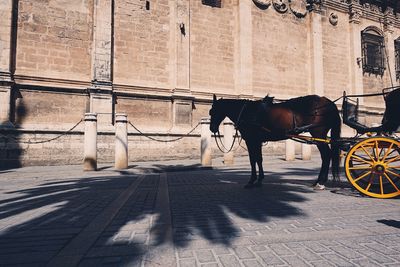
376,150
381,183
390,180
387,152
361,156
393,173
359,167
394,167
360,159
371,179
393,159
369,155
362,176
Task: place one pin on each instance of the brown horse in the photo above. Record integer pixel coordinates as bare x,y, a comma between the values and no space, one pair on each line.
263,120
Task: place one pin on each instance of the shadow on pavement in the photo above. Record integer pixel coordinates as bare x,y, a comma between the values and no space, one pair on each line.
392,223
204,204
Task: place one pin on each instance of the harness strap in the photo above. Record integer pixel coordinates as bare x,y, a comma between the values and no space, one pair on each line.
240,115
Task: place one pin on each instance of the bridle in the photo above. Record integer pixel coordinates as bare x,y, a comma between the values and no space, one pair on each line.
222,147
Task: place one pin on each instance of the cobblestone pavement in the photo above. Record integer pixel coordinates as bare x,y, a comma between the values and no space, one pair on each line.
177,214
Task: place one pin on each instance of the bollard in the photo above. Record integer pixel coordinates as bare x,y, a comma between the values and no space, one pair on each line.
305,152
289,150
90,145
205,145
121,141
228,140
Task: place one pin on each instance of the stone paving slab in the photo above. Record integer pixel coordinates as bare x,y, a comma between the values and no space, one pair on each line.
178,214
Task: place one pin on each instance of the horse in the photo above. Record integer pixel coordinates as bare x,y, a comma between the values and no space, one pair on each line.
391,118
259,121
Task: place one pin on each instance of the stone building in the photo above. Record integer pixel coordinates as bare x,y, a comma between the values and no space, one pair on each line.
160,61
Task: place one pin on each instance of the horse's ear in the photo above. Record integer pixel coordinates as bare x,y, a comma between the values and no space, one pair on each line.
214,98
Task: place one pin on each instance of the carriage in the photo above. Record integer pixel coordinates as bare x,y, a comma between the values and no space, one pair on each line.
372,156
372,161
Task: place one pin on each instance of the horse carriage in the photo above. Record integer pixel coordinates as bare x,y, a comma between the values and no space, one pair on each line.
372,161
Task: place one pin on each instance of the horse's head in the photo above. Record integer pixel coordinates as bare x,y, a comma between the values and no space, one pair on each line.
391,119
217,114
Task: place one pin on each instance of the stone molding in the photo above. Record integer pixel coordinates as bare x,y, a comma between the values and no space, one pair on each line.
25,80
355,10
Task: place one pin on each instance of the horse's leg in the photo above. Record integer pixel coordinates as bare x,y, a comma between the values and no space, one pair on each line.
259,161
252,157
325,152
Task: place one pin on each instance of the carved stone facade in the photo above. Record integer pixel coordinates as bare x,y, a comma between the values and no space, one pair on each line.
160,61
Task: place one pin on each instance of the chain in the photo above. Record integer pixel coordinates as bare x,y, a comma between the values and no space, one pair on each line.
163,141
43,141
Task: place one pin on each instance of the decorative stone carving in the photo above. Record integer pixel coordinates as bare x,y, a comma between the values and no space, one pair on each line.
355,11
262,4
389,11
355,16
333,19
298,8
280,5
376,9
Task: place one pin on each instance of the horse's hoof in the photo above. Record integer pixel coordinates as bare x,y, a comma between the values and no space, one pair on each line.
318,186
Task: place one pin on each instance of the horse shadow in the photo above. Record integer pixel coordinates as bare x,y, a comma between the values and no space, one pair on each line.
204,204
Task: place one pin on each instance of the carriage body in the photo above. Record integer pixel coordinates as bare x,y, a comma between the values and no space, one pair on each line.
372,162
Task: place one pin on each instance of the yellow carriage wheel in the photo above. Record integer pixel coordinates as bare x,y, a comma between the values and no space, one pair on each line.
373,167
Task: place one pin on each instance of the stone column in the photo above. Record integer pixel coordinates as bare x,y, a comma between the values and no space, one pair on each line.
228,140
290,150
90,145
182,96
121,141
317,59
355,64
205,145
244,49
389,42
101,91
6,64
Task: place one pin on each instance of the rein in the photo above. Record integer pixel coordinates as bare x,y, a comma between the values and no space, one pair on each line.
225,150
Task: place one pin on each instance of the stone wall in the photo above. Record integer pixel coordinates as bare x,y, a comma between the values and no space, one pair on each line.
280,54
54,39
142,43
160,61
336,61
212,47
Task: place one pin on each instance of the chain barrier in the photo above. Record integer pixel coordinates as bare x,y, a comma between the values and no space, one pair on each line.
160,140
43,141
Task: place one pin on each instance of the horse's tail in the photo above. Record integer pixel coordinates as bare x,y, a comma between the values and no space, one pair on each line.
335,147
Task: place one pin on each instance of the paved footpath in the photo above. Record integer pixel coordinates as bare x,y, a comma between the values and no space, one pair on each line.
178,214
